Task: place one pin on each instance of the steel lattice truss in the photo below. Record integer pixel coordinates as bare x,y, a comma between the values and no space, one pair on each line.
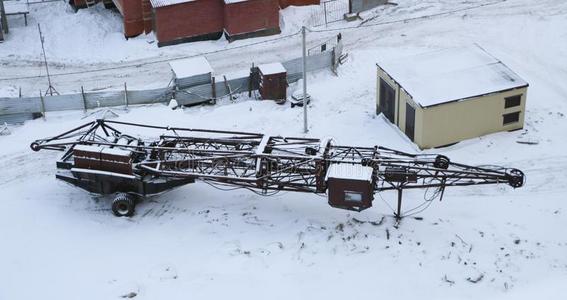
264,162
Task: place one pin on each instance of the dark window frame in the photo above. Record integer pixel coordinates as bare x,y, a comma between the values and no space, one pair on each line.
410,112
385,90
510,118
513,101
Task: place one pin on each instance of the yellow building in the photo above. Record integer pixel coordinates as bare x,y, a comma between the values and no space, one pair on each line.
442,97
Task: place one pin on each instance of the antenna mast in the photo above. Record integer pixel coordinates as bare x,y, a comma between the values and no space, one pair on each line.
50,90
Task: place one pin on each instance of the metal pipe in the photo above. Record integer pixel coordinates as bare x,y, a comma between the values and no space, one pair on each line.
303,34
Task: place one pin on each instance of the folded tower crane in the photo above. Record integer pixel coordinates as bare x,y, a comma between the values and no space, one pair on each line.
133,161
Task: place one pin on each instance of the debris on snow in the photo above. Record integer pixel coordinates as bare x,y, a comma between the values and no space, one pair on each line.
475,280
4,130
129,295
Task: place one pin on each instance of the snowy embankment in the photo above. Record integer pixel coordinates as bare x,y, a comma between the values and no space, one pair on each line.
201,243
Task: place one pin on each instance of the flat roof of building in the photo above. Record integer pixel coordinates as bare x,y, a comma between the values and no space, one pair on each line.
273,68
190,67
16,7
162,3
453,74
234,1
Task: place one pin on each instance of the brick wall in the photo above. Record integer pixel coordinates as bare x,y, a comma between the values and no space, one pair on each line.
188,19
251,16
131,11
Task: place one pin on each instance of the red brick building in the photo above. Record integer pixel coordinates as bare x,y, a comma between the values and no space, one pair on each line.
180,21
137,16
251,18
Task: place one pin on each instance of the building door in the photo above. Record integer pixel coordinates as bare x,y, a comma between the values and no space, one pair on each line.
387,100
410,121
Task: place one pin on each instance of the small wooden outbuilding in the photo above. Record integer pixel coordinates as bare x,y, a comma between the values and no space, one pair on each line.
180,21
273,81
442,97
251,18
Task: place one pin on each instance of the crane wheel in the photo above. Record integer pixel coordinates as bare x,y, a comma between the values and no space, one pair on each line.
516,178
123,205
442,162
34,147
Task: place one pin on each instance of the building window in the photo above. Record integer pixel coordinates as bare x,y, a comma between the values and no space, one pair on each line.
387,101
513,101
351,196
511,118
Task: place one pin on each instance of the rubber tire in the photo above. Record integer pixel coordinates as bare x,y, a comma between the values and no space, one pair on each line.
123,205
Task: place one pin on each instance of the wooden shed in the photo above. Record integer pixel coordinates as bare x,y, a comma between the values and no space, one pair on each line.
442,97
251,18
286,3
180,21
273,81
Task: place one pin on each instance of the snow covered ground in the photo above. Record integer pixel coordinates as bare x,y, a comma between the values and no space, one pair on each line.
200,243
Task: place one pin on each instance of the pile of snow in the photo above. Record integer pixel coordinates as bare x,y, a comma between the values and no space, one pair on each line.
9,91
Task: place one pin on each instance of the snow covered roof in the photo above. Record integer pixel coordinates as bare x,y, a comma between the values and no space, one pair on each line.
105,150
116,151
16,7
88,148
162,3
191,67
447,75
273,68
234,1
350,171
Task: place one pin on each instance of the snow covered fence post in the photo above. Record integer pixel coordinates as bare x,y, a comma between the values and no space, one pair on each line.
3,17
126,95
84,99
214,88
42,105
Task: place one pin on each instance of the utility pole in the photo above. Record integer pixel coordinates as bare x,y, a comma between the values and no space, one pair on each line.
3,17
303,34
51,90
